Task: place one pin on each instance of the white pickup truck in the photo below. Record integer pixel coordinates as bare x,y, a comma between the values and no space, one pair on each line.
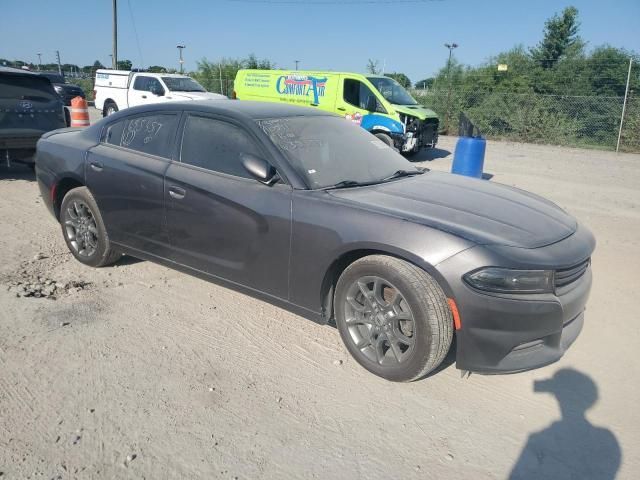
118,89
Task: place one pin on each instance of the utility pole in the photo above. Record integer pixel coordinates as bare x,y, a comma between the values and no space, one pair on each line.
58,59
39,61
297,62
114,55
180,48
624,104
450,46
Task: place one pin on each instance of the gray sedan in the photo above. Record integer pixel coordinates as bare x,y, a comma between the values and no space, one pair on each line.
312,213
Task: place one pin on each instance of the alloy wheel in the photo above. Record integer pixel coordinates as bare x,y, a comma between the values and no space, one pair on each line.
379,321
80,228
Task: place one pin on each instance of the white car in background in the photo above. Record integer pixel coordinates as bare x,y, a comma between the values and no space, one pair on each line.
118,89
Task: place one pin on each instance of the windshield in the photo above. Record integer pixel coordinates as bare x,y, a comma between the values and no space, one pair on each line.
392,91
26,87
329,150
182,84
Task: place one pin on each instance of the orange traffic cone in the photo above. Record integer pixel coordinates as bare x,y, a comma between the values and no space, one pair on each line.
79,112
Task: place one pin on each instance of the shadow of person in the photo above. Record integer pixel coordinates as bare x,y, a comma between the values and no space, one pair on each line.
571,448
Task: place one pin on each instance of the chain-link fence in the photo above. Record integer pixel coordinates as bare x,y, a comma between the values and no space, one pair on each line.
581,121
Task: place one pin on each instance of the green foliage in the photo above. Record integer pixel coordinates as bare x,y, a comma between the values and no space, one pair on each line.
125,65
425,83
560,34
401,78
218,77
86,84
373,67
157,69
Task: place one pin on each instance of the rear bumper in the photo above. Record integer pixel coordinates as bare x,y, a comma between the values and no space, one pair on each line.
18,148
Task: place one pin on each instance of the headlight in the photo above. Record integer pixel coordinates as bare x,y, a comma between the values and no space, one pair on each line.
504,280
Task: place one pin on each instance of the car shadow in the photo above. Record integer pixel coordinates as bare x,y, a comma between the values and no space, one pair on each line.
17,171
429,154
128,260
571,447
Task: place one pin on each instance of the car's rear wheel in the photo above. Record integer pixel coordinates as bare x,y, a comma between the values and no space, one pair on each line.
109,109
393,317
84,231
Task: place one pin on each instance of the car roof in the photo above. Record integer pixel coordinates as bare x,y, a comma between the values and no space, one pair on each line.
239,109
17,71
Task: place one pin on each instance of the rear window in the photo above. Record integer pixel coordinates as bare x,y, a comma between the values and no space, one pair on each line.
150,134
26,87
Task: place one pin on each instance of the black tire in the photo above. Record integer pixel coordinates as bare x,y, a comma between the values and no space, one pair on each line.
386,139
109,108
421,298
84,231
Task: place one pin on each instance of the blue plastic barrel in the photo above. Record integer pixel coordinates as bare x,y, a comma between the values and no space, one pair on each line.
468,159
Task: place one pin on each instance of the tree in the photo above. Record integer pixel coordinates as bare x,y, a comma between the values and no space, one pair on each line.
401,78
157,69
560,34
124,65
425,83
372,67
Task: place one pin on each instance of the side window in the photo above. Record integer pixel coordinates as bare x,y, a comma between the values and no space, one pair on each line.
113,136
216,145
150,134
141,83
357,94
154,86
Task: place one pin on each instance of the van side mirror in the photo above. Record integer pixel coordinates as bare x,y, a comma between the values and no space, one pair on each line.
259,168
372,103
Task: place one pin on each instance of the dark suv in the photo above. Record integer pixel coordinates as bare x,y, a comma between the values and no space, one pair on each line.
67,91
29,107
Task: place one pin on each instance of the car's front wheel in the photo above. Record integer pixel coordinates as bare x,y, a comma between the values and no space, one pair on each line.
84,231
393,317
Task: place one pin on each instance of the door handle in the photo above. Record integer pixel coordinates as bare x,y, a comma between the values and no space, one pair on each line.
342,109
177,192
96,166
144,96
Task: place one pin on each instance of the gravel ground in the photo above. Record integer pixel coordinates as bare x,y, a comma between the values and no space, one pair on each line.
137,371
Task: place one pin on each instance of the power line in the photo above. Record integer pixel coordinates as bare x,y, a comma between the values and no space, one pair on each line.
333,2
135,31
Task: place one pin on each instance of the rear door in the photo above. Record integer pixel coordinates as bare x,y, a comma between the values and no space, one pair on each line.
145,90
125,174
221,221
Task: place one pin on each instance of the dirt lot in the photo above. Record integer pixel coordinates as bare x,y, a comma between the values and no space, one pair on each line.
137,371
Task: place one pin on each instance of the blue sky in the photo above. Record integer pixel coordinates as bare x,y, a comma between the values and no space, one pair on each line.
337,36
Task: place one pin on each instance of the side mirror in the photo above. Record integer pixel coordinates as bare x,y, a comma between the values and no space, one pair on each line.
159,92
259,168
372,103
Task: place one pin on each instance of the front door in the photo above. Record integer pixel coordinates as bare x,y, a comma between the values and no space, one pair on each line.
145,90
353,98
220,220
125,174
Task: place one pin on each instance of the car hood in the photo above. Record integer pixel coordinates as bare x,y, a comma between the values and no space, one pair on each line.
483,212
415,111
197,96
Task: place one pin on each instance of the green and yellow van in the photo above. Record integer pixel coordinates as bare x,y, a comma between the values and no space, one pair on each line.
379,104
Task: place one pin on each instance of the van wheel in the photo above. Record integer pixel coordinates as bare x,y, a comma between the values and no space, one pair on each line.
109,109
393,317
386,139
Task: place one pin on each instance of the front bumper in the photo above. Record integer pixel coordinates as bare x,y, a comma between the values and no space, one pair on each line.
505,333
